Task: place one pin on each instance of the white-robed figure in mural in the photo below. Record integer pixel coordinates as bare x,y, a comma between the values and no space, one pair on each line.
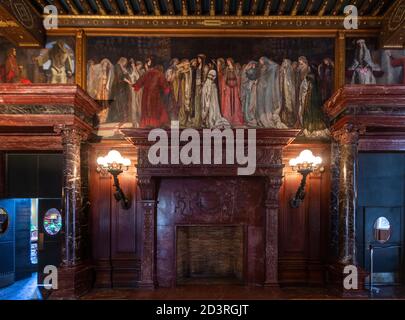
268,95
211,114
100,77
135,72
288,93
363,65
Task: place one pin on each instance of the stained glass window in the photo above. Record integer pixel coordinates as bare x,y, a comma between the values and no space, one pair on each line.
52,221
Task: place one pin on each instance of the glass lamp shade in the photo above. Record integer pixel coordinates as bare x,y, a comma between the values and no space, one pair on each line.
305,160
113,160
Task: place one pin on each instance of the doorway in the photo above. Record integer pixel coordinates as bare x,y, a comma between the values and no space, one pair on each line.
31,220
380,216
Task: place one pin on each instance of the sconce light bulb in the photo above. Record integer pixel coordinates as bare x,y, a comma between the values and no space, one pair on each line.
114,156
293,162
126,162
101,161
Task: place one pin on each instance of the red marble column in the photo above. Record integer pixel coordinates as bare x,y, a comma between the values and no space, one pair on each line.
147,206
347,138
273,184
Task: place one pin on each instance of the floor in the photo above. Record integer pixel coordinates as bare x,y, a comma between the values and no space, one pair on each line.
230,292
25,289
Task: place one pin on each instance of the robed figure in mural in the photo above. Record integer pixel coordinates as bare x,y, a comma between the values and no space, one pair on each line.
249,78
61,62
153,110
120,92
185,76
288,93
326,77
135,72
268,94
363,65
230,99
310,110
12,72
211,114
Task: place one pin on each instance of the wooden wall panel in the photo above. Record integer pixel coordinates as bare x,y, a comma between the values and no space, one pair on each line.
303,231
113,229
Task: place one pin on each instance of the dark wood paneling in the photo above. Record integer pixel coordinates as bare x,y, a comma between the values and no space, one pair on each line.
303,231
113,230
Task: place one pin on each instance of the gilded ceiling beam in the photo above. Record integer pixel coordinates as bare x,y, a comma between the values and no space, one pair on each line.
253,7
239,10
337,7
129,8
170,7
295,8
100,7
323,8
267,7
365,6
72,7
377,10
212,7
184,9
309,7
282,6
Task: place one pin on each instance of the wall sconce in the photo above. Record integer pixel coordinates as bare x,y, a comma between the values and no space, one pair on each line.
305,164
115,164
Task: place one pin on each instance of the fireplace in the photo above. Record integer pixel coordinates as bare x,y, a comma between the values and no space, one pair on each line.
186,210
209,254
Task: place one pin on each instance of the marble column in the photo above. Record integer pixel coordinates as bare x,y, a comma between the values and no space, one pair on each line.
347,138
74,271
72,195
273,184
147,207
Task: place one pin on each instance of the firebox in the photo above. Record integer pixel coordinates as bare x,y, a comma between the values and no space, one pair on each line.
210,254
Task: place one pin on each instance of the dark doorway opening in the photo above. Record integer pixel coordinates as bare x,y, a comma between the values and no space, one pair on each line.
381,216
32,200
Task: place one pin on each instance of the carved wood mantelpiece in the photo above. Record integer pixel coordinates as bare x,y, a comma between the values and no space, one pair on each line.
216,202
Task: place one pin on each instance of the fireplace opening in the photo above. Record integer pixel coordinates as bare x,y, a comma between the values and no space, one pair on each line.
210,255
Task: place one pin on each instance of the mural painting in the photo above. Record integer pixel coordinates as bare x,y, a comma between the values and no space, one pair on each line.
367,64
211,82
53,64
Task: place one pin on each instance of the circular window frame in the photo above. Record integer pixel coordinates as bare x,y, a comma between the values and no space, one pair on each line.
46,228
375,229
7,221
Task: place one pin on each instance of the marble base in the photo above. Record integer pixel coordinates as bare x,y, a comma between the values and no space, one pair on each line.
337,276
73,282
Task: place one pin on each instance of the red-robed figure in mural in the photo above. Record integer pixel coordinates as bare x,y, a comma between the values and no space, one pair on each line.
153,110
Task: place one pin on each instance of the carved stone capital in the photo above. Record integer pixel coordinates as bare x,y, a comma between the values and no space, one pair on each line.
71,134
348,134
273,185
146,186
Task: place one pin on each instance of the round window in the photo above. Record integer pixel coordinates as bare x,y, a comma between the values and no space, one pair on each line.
382,230
52,221
3,220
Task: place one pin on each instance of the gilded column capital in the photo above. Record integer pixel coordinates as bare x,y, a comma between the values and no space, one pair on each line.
71,134
348,134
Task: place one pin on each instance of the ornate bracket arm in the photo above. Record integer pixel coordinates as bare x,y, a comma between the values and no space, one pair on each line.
300,194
